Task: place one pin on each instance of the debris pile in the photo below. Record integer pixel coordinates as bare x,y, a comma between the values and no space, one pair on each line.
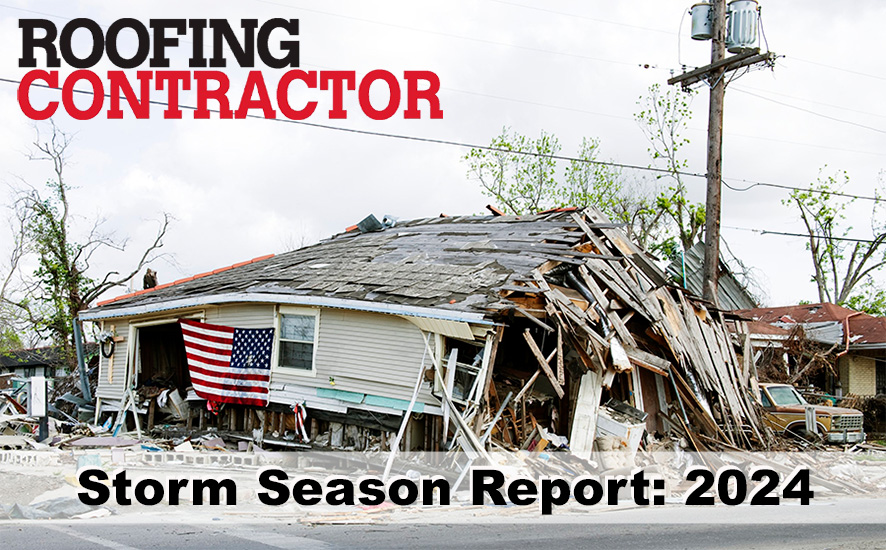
614,350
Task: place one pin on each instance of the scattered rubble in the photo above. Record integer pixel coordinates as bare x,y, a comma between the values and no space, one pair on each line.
596,364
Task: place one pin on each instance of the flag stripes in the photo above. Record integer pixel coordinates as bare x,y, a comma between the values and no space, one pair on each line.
228,365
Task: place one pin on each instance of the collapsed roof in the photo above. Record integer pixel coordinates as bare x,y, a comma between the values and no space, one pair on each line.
447,262
571,270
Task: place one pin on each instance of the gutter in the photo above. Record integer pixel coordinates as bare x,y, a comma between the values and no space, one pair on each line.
846,333
290,299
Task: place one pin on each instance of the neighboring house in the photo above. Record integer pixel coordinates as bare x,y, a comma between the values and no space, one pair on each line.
26,363
357,316
858,338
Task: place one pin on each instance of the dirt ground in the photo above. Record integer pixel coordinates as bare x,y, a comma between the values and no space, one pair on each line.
22,487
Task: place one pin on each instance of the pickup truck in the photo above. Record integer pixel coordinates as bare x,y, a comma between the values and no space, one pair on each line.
785,411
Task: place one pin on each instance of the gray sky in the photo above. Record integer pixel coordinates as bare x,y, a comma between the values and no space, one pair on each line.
241,189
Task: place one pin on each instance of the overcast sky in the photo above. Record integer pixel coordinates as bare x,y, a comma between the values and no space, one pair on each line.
241,189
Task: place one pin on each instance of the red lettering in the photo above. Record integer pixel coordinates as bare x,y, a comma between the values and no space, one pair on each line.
337,78
174,78
393,100
24,94
98,95
140,105
255,82
413,94
219,94
310,79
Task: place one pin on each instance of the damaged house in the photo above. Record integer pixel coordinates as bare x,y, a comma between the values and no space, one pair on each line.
521,329
852,342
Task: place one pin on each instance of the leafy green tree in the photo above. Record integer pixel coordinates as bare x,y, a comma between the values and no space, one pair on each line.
9,340
868,298
520,174
840,265
590,182
663,117
517,171
61,285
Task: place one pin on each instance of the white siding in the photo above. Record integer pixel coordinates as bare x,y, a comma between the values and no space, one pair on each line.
242,315
367,353
115,389
235,315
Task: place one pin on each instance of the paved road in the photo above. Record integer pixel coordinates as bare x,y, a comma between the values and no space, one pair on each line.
50,535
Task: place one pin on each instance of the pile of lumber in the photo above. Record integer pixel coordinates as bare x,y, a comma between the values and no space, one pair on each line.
615,311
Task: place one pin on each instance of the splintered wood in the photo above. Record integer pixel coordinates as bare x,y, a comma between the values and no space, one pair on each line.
613,313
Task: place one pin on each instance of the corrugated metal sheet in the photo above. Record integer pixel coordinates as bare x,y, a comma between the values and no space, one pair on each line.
730,293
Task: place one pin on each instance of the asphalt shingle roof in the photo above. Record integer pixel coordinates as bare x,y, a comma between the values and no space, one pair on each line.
450,262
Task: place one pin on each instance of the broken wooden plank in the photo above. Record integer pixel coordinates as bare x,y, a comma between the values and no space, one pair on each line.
493,350
543,363
648,358
567,303
584,422
648,366
527,385
534,319
450,382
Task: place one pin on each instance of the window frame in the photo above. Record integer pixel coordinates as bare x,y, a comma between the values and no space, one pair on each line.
278,340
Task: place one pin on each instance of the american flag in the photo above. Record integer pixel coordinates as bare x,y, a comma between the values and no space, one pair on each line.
229,365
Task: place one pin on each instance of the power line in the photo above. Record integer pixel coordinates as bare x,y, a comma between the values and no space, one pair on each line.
835,119
462,144
404,27
585,17
850,71
800,143
33,11
807,100
527,102
803,235
804,189
449,35
397,136
537,104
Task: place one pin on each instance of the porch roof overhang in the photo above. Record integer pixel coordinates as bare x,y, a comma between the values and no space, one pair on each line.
289,299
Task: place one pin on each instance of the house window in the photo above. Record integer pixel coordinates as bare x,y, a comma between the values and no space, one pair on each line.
881,376
297,341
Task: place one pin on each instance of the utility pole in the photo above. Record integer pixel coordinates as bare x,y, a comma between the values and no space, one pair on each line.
711,271
715,76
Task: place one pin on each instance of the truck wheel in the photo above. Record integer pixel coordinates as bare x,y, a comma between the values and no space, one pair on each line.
803,433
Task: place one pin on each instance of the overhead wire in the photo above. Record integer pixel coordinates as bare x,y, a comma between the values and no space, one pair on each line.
806,100
585,17
552,52
803,235
835,119
397,136
804,189
527,153
450,35
850,71
663,171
